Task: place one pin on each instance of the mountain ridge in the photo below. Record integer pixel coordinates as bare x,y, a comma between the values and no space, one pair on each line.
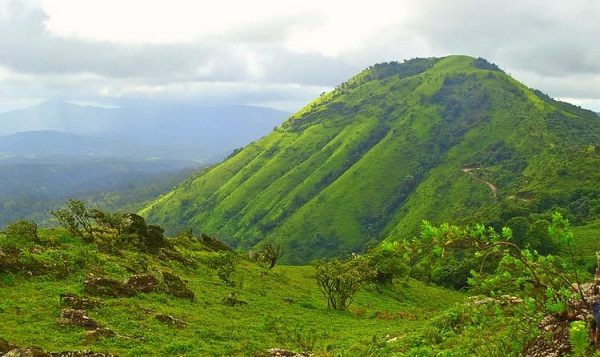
197,133
383,151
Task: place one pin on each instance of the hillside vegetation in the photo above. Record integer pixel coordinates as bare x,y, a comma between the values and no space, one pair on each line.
396,144
110,283
142,295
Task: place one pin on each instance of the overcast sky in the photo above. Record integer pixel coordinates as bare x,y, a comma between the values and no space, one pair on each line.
280,53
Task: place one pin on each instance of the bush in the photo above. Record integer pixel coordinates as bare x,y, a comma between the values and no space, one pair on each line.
23,229
225,264
339,280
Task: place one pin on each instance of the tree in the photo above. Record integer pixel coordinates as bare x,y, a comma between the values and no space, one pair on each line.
340,280
387,262
73,217
111,230
517,270
270,253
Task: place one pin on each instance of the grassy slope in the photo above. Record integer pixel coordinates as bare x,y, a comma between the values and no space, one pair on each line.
284,308
384,151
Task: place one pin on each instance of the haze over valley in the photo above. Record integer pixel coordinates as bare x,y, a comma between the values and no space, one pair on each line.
56,150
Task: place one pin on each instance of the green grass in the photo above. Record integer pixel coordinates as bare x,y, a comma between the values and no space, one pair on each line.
284,307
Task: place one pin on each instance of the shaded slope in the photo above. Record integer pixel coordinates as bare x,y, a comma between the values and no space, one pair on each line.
382,152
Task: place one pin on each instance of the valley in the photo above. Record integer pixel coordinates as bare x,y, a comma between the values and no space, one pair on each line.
118,157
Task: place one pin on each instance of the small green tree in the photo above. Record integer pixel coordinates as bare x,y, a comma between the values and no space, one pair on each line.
340,280
270,253
387,262
23,229
76,218
225,263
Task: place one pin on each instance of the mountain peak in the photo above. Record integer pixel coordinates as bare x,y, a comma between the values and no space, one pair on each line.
385,150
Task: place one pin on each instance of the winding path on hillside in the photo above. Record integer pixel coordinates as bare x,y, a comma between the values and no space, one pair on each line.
491,186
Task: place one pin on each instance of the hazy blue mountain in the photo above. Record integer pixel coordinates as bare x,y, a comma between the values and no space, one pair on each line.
54,146
58,150
199,133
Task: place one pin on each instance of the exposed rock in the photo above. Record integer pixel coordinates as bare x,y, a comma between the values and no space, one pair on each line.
141,283
26,352
81,354
175,286
554,337
553,341
171,254
172,321
8,350
5,346
214,245
95,335
78,318
279,352
501,300
231,300
79,302
101,286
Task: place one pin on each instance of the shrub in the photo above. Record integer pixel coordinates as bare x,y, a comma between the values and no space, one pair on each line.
23,229
225,264
339,280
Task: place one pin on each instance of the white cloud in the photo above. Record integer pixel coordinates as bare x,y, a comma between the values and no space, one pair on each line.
273,51
151,21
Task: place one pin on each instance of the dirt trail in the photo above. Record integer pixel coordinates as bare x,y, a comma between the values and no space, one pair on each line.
491,186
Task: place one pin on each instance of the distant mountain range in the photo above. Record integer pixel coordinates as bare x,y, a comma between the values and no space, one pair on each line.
139,130
451,139
58,150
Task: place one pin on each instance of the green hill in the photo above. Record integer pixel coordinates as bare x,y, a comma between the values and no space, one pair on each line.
60,293
444,139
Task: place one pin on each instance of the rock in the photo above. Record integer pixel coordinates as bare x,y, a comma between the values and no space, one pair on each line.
554,342
79,302
81,354
172,321
166,254
5,346
501,300
231,300
141,283
175,286
214,245
8,350
27,352
95,335
279,352
101,286
78,318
